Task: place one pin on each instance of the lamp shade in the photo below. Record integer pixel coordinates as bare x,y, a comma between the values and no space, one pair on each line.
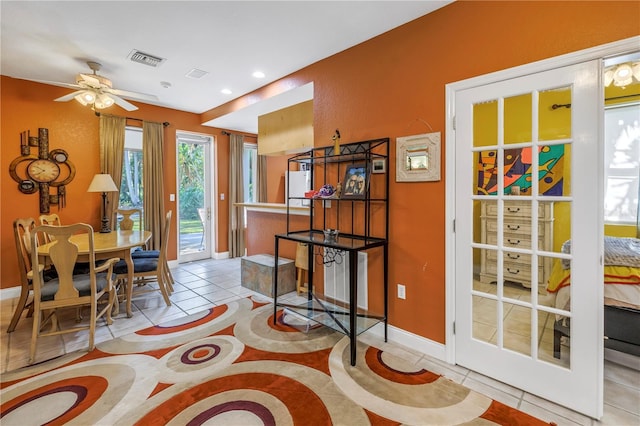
102,183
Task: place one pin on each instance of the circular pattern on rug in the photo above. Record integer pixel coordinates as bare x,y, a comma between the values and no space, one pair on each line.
257,330
61,398
239,407
184,323
199,360
300,392
181,330
82,393
403,393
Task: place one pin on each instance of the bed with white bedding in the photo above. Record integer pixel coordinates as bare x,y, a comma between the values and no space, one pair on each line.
621,295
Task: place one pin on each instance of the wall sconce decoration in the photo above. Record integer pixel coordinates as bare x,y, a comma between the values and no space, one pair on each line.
42,172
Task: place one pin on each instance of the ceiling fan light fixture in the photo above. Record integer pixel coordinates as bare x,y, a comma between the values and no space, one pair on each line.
103,101
635,68
608,77
623,75
85,98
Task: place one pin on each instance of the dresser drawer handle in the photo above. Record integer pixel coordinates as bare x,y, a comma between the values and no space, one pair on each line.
513,227
513,242
513,209
511,256
517,271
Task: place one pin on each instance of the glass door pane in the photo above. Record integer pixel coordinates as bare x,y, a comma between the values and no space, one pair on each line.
194,196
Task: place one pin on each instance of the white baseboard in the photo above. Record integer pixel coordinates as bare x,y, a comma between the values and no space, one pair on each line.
10,293
221,255
410,340
622,358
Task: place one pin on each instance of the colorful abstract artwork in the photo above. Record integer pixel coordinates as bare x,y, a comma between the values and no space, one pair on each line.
517,171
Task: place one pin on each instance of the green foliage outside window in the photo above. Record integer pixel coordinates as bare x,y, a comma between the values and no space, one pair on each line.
191,164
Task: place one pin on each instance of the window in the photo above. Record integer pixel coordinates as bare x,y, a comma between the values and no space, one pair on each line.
250,172
131,188
622,163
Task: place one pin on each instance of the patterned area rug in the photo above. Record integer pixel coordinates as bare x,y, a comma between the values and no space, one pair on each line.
231,365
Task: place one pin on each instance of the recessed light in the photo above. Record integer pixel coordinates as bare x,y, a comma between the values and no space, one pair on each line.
226,91
258,74
165,84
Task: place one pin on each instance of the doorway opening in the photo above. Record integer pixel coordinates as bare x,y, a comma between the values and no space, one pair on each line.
195,195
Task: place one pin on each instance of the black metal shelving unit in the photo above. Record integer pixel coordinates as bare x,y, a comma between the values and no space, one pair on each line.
359,221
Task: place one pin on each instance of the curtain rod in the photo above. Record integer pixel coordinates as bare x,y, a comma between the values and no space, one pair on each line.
225,133
620,97
165,124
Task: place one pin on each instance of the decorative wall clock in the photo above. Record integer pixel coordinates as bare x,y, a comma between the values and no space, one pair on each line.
42,172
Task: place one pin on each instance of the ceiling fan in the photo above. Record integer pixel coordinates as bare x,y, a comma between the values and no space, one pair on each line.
97,91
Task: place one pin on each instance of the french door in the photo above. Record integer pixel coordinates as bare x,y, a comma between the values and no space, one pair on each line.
194,196
528,208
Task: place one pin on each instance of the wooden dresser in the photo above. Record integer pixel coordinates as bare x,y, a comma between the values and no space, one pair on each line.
516,234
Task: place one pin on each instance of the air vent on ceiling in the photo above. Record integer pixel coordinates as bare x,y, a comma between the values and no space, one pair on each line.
196,73
145,58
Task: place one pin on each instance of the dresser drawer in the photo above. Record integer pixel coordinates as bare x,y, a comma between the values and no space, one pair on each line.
519,209
511,257
512,240
515,272
515,227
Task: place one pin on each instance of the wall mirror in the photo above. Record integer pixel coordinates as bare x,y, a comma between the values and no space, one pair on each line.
418,158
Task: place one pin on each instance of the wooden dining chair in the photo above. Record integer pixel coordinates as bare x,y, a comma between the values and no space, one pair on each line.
141,253
69,290
126,223
22,230
148,269
49,219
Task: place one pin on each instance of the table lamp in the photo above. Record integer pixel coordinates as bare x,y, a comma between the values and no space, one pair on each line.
103,183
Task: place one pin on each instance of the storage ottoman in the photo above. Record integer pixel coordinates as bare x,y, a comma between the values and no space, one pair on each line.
257,274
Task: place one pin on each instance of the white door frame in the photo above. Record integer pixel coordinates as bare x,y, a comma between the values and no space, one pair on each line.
209,200
599,52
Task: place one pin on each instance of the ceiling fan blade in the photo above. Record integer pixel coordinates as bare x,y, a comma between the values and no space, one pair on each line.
68,97
123,104
134,95
57,83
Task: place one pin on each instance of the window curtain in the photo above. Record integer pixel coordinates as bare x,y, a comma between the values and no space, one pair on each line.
236,195
261,195
153,171
111,155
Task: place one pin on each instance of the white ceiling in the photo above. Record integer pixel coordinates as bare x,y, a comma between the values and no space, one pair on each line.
52,40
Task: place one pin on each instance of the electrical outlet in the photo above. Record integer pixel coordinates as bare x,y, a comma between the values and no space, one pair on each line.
401,292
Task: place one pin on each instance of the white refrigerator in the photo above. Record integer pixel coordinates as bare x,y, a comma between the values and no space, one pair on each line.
297,183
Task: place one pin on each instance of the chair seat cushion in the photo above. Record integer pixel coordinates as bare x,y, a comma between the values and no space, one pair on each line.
81,282
139,265
147,254
80,268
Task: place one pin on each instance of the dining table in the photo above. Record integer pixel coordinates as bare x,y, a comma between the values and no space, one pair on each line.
106,245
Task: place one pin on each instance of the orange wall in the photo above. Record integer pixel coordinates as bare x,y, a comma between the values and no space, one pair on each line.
385,86
74,128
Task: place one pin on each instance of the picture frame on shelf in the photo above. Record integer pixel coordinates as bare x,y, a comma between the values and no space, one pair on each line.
356,181
378,165
418,158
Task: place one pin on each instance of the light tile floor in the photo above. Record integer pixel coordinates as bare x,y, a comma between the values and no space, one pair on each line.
202,284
